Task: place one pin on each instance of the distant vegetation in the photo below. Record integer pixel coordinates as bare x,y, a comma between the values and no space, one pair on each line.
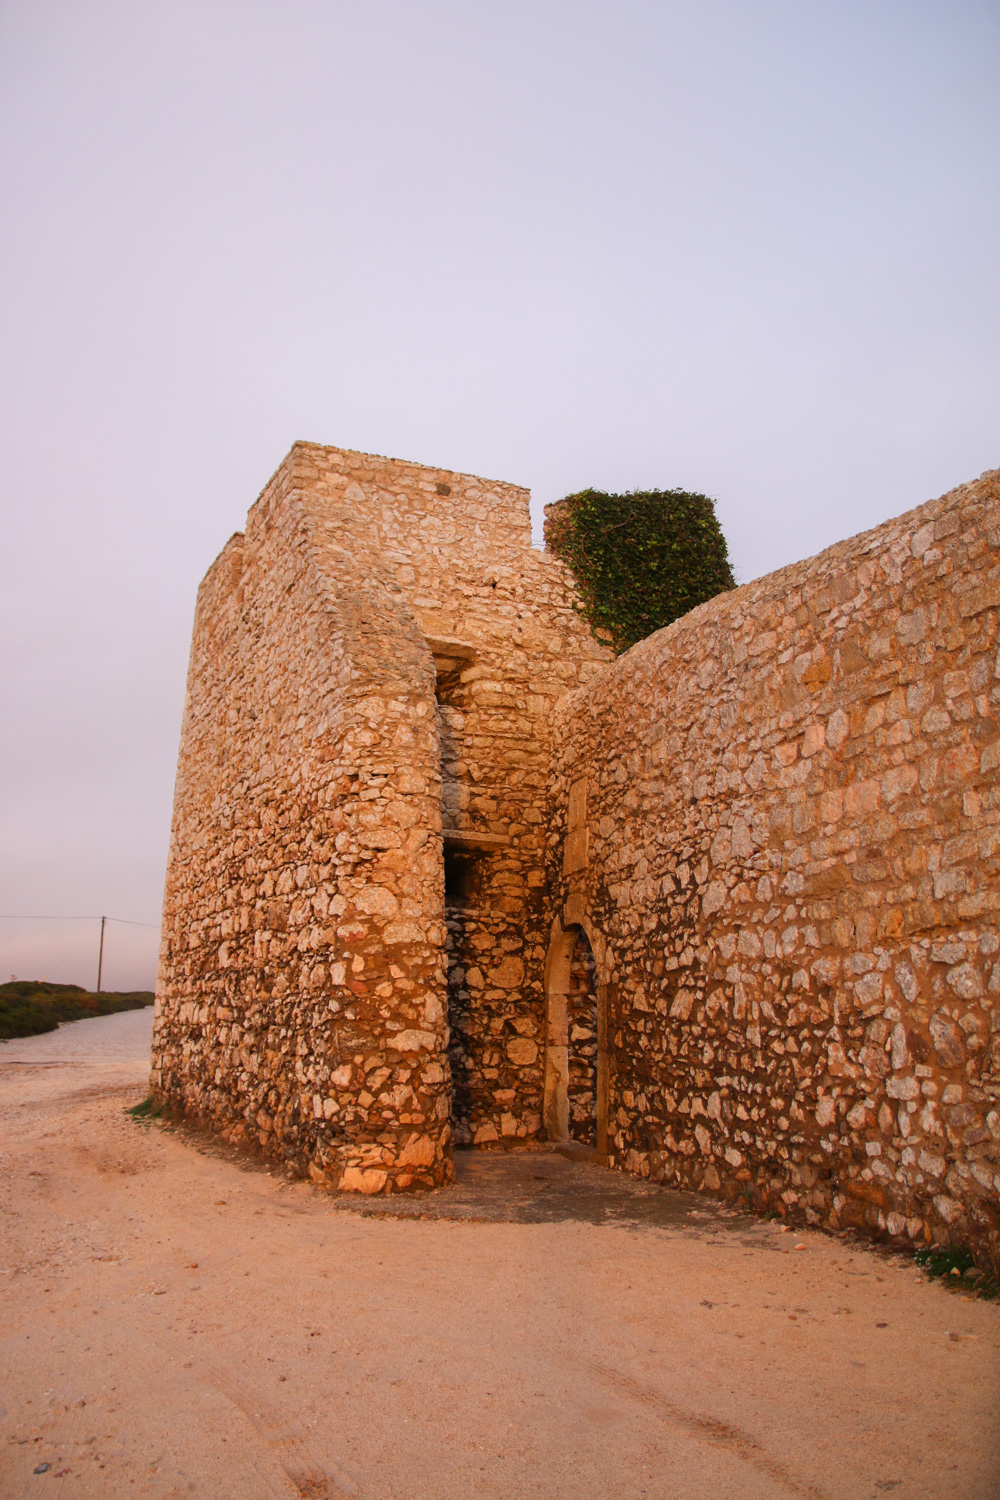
29,1006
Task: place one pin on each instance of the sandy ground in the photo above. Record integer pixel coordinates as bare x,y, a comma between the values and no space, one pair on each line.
176,1323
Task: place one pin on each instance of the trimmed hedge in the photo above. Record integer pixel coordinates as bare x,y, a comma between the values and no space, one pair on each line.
640,560
29,1007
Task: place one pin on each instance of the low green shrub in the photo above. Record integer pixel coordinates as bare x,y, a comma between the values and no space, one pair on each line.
29,1007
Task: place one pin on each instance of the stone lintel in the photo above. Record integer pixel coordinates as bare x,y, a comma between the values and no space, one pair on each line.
471,838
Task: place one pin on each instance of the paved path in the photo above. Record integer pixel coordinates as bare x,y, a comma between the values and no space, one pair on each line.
119,1039
177,1322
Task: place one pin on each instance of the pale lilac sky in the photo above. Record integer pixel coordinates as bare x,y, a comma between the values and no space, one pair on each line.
747,249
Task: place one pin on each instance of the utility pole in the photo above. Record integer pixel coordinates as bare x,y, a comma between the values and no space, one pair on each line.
100,956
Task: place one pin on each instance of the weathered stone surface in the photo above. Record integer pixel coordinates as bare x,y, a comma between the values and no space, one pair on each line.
794,831
372,673
731,899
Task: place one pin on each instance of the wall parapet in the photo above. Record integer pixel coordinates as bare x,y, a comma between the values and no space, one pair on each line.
792,848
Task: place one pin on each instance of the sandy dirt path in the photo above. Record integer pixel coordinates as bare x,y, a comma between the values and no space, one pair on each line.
176,1323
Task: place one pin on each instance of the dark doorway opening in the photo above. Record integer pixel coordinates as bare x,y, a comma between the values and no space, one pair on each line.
463,872
464,876
582,1027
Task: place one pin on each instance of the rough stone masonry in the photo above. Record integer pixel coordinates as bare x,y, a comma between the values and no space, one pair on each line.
373,673
726,907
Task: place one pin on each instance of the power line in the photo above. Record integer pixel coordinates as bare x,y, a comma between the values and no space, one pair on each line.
48,917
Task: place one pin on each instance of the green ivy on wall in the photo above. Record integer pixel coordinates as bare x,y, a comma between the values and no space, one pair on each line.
640,560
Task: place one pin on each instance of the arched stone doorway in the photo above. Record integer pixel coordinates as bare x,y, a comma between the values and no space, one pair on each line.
575,1052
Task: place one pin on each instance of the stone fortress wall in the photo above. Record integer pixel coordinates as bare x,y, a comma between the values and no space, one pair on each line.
779,822
733,894
373,669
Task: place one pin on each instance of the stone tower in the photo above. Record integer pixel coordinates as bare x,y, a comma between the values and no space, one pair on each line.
355,921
